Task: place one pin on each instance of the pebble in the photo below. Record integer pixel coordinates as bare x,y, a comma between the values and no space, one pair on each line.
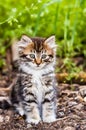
84,99
7,118
1,119
72,103
61,114
69,128
79,106
82,90
29,126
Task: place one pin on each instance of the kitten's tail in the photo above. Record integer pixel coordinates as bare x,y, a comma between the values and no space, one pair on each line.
5,96
5,102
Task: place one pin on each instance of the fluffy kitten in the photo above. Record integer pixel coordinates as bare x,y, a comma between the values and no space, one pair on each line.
34,93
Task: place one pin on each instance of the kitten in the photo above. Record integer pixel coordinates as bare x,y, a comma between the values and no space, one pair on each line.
34,93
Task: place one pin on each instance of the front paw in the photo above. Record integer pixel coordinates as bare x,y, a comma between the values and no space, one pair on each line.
49,119
33,121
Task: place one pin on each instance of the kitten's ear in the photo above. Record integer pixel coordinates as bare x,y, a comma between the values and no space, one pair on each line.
24,41
50,41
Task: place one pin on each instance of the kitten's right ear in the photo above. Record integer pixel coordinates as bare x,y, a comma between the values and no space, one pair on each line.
24,42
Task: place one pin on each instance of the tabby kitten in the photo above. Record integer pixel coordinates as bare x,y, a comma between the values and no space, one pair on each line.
34,93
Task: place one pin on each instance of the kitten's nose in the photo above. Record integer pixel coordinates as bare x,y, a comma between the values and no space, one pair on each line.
38,62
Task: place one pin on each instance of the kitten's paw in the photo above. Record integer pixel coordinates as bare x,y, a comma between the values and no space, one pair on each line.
32,121
49,119
20,111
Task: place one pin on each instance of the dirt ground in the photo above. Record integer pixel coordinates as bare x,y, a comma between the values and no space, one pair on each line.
71,110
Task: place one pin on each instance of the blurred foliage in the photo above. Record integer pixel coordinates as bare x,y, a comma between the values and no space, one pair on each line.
64,18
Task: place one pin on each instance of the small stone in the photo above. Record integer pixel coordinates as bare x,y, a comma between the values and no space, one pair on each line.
79,98
29,126
79,106
72,103
7,118
61,114
69,128
82,90
84,99
1,119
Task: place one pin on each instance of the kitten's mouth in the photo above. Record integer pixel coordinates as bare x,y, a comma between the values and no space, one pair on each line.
38,65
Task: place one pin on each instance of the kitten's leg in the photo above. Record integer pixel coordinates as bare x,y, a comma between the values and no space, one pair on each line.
49,107
30,105
19,108
32,112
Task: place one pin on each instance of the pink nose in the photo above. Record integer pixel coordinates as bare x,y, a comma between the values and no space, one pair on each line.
38,62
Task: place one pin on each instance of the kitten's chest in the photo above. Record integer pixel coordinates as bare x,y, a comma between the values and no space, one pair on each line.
37,79
39,86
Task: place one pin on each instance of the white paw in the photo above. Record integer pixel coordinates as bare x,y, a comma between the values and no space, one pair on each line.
20,111
49,119
33,121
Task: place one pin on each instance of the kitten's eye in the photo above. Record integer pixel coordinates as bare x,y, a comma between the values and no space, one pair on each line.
32,56
44,56
24,56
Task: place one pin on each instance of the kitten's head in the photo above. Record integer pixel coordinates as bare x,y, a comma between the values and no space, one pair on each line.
37,52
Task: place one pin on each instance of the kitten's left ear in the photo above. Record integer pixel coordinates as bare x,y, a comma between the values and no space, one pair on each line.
51,42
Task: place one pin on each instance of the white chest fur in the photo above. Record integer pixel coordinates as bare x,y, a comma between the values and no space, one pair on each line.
37,79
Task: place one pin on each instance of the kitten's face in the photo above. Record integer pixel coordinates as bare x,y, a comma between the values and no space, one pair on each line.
37,52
